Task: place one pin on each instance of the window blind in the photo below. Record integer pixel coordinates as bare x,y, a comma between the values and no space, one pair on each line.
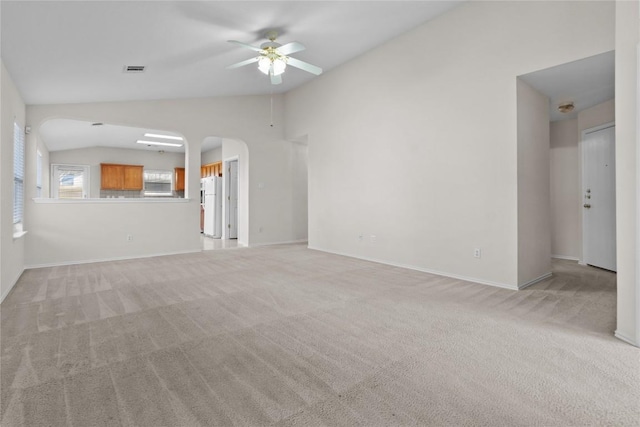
69,181
157,183
18,173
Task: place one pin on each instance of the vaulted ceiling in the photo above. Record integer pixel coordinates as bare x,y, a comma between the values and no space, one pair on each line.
75,51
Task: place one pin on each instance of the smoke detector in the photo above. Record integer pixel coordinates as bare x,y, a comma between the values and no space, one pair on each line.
566,107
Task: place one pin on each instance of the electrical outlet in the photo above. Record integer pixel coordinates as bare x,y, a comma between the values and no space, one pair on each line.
360,237
373,238
477,253
129,237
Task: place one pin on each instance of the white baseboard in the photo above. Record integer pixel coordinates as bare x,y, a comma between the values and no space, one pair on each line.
425,270
90,261
567,257
288,242
626,339
5,293
534,281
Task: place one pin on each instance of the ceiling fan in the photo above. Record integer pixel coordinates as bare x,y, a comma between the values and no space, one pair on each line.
273,58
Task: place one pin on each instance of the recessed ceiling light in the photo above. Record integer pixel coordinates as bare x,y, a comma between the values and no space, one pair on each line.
167,144
155,135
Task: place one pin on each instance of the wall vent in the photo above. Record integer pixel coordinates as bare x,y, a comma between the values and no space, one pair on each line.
133,69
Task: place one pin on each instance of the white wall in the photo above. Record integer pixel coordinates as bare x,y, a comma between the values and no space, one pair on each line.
597,115
420,151
212,156
96,230
12,109
565,190
244,118
627,171
93,156
534,212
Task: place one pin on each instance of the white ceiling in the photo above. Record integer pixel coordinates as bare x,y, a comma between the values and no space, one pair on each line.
74,51
586,83
64,134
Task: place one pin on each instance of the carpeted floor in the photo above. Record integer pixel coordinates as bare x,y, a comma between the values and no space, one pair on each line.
288,336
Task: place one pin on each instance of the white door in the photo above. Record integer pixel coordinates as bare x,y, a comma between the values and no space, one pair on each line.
232,200
209,207
599,198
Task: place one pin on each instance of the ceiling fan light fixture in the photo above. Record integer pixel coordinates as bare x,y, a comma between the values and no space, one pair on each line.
264,65
279,66
269,65
273,58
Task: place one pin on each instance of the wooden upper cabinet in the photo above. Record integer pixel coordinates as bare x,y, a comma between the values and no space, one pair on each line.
179,179
217,169
211,169
121,177
111,176
133,179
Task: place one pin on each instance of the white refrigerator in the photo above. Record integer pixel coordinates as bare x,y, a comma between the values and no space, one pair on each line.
212,187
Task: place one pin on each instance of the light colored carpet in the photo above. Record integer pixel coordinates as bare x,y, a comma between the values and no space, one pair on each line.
288,336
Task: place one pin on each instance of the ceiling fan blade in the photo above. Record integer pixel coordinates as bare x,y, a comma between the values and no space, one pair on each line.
248,46
290,48
243,63
304,66
276,80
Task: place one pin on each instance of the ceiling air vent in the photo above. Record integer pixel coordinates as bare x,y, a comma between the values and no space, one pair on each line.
133,69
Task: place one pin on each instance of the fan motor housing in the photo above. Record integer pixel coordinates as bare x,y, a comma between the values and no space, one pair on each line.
266,45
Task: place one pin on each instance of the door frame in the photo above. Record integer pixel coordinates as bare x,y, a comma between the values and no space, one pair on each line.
583,179
225,192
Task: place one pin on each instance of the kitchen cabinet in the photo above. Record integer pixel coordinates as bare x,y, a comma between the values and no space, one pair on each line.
111,177
179,179
133,177
211,169
121,177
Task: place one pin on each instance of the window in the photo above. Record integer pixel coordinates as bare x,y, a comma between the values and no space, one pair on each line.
158,183
18,173
69,181
38,174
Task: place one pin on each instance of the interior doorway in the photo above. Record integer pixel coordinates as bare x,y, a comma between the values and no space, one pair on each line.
599,197
581,99
228,159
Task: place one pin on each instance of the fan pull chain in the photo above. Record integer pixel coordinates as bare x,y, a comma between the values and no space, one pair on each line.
271,118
